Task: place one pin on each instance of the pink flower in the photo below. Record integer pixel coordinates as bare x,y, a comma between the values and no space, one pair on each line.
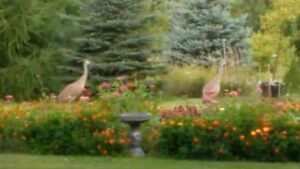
117,94
259,90
123,88
279,105
105,85
120,78
84,98
233,93
9,97
151,87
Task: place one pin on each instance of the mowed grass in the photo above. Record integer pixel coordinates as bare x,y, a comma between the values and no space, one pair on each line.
22,161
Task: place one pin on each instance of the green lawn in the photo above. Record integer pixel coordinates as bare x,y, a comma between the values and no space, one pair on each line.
20,161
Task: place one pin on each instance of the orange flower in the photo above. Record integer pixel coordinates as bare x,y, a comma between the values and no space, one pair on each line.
171,122
226,134
196,140
122,141
155,133
266,129
221,150
253,133
215,123
111,141
131,85
2,126
242,137
94,117
105,152
276,150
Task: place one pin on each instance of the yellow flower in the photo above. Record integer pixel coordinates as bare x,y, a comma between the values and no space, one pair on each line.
180,124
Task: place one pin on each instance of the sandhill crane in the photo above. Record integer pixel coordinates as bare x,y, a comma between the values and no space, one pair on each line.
74,89
212,88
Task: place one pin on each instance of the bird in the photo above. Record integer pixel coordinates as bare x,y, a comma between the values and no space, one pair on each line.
212,88
73,90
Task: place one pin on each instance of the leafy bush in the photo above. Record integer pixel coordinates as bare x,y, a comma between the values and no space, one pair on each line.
254,132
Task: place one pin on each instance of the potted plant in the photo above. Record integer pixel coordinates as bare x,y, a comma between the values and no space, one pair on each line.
133,103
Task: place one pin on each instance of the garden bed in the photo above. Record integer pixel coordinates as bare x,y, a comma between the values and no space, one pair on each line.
261,131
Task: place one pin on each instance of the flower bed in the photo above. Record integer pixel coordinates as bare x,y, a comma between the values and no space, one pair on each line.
267,132
256,132
80,128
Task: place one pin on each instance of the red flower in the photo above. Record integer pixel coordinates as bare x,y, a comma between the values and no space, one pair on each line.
131,85
105,85
117,94
233,93
120,78
84,98
123,88
9,97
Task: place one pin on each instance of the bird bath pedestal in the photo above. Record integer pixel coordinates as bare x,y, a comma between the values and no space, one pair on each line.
135,120
271,89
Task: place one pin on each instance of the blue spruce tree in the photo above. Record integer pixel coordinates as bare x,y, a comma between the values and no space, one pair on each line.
200,30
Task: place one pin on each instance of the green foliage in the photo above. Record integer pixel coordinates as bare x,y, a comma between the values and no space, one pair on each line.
201,28
30,35
275,38
292,78
254,9
246,132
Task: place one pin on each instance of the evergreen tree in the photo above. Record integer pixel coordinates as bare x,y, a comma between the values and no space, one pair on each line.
200,30
117,39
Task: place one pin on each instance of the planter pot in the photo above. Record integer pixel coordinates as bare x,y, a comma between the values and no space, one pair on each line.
271,89
135,120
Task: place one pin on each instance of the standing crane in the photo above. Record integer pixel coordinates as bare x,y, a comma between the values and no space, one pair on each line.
74,89
212,88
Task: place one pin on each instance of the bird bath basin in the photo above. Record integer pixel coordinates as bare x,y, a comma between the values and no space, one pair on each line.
135,120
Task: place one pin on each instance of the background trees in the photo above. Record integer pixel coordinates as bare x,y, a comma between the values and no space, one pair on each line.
42,41
30,34
276,37
117,35
201,28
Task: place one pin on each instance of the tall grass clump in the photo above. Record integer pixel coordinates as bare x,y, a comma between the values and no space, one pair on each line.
188,81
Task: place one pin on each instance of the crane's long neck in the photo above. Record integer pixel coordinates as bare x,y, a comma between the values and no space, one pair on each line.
83,78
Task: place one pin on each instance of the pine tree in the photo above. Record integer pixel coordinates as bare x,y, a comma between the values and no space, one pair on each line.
117,40
200,30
